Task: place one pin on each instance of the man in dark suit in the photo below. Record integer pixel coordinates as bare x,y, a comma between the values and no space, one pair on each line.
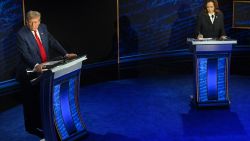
33,43
210,22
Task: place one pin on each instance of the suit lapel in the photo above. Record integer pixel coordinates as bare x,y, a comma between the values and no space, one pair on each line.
33,41
208,19
215,18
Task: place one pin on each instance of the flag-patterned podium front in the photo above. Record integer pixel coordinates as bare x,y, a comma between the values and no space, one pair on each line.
211,71
60,111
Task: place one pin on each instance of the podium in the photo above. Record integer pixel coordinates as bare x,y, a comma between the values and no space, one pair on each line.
211,60
59,90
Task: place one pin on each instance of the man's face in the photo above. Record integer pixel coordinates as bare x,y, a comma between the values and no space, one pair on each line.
33,23
210,7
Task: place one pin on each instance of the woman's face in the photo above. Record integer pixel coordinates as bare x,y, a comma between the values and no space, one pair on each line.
210,7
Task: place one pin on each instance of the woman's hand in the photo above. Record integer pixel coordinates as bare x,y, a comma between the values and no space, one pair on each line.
223,37
70,56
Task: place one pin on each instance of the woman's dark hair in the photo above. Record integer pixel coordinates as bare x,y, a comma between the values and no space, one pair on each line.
216,6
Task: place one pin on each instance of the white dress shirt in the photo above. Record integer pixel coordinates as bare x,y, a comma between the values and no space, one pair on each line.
37,34
212,17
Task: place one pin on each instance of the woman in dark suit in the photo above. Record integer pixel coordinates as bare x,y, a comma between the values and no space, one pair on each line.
210,22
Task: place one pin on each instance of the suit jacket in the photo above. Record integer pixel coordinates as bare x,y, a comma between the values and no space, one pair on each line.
208,29
28,50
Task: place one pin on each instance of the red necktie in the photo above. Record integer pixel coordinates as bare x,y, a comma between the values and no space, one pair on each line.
41,48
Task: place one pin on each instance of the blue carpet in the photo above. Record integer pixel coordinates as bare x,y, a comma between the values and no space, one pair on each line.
12,126
153,108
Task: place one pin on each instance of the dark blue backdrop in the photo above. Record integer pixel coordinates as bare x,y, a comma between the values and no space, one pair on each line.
150,26
241,15
10,22
156,25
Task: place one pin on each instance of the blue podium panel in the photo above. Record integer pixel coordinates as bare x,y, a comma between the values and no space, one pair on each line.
65,99
61,115
211,65
212,79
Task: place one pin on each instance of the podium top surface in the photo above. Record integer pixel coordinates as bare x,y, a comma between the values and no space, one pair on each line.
209,41
69,64
67,67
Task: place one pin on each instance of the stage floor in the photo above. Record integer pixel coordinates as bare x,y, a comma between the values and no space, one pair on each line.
150,108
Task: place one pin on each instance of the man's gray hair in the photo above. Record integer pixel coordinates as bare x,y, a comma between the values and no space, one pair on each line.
32,14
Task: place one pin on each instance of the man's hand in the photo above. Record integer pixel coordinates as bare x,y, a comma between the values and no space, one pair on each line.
70,56
39,68
200,37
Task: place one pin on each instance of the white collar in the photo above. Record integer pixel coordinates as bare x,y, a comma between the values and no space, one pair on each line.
211,14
